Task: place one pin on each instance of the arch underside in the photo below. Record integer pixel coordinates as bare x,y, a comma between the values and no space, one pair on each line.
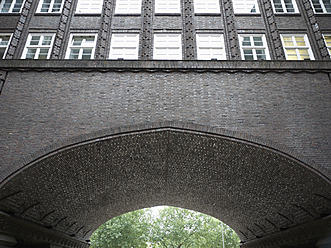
255,190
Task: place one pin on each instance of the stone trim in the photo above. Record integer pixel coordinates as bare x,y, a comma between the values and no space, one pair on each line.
37,234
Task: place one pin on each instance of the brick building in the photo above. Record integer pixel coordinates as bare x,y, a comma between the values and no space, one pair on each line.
203,101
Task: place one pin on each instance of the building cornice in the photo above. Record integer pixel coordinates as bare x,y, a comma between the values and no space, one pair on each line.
232,66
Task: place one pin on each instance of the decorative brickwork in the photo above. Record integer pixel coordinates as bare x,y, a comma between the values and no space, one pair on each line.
272,32
230,31
63,29
189,42
146,34
21,28
105,30
315,32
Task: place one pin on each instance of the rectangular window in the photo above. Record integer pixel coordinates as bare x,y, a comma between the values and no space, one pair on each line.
124,46
81,46
321,6
285,6
128,7
327,38
245,6
206,6
296,47
167,47
210,46
50,6
167,6
11,6
253,47
38,46
4,43
89,6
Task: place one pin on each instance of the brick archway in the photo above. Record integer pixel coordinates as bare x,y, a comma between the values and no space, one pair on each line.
259,191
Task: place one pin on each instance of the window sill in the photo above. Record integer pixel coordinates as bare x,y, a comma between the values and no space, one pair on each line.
128,14
87,14
47,14
207,14
287,14
167,14
247,14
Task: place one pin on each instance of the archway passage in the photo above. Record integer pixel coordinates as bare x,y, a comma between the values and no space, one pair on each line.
255,190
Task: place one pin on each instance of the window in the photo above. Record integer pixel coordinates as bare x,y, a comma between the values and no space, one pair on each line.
4,43
296,47
253,47
327,38
81,46
322,6
245,6
285,6
167,46
206,6
210,46
167,6
38,46
89,6
128,7
50,6
124,46
11,6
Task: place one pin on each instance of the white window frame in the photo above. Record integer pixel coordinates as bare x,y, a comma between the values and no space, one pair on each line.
11,6
167,43
322,6
7,46
39,46
243,6
82,46
206,6
89,7
295,47
254,47
328,45
124,46
209,46
296,10
51,6
167,7
128,7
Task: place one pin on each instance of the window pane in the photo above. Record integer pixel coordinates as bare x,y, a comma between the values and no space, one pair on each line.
74,54
4,40
43,53
47,40
31,53
288,41
300,41
87,52
2,52
278,6
35,40
327,5
17,6
6,6
289,6
317,6
304,53
258,41
77,41
291,54
45,6
246,41
57,6
260,54
248,54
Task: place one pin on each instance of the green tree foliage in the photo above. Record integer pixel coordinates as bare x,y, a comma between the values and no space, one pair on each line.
170,228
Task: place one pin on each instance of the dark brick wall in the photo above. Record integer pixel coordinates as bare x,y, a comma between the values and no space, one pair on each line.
39,109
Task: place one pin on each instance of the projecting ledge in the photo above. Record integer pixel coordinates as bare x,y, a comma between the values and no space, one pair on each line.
168,65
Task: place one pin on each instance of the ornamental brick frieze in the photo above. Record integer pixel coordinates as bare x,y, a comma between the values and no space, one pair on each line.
230,31
146,30
188,31
315,32
63,29
272,32
104,31
21,29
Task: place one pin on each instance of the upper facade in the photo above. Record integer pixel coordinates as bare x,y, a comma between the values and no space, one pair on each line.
166,29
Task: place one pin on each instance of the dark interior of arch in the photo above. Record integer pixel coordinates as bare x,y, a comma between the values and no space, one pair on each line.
254,190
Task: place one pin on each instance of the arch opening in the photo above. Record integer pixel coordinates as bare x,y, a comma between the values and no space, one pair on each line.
256,191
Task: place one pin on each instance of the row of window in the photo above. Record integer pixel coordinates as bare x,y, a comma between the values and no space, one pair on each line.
164,6
167,46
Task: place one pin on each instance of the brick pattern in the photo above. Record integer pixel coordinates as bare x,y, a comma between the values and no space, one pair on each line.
146,44
104,34
21,27
3,75
315,31
230,31
189,40
272,32
63,30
